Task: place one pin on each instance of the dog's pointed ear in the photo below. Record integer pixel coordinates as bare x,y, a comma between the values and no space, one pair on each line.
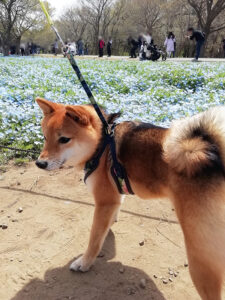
112,117
79,114
46,106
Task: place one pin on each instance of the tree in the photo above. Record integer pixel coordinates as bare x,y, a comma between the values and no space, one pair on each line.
41,34
207,12
72,23
146,13
97,12
92,19
177,14
17,17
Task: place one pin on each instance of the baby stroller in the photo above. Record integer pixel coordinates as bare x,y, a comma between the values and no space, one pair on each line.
151,52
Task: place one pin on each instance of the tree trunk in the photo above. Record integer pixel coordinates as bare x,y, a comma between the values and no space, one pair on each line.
206,30
95,41
18,40
6,43
6,49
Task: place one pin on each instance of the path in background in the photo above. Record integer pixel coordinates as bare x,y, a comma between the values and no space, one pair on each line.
176,59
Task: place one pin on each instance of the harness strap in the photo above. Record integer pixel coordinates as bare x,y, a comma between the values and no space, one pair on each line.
93,163
123,185
109,134
118,172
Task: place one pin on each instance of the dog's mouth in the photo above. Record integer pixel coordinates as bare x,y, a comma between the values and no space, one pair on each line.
49,165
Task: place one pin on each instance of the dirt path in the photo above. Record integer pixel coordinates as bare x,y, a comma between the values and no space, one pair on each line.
53,228
113,57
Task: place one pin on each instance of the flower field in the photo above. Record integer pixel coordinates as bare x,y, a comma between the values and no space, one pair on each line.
154,92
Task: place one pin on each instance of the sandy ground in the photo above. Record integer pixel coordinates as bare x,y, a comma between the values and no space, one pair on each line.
53,228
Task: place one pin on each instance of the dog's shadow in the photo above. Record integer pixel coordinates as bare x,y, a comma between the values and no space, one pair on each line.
105,281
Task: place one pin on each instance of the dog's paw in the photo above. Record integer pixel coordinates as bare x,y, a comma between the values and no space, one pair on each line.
80,264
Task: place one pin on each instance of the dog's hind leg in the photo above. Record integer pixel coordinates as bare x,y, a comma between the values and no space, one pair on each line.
203,228
104,216
116,219
206,277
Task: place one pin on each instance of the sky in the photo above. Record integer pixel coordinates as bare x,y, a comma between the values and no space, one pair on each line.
59,5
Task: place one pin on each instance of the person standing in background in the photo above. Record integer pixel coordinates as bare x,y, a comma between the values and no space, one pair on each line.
32,48
22,49
200,39
170,44
134,46
55,47
80,46
223,45
101,45
140,42
86,49
175,45
29,48
109,47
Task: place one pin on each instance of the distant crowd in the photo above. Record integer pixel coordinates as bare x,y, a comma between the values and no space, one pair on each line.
80,48
143,46
76,48
145,43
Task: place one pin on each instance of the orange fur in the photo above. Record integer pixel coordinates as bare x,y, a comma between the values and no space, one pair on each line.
184,163
188,156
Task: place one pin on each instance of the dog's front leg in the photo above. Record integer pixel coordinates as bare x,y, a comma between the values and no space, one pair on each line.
104,216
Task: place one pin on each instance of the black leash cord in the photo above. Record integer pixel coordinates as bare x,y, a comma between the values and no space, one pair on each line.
80,77
17,149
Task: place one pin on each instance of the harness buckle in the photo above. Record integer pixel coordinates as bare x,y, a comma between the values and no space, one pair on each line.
110,130
107,130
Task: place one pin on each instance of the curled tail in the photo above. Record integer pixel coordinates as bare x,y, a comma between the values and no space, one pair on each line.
196,145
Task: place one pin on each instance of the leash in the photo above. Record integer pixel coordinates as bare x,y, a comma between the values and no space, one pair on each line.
17,149
75,67
117,170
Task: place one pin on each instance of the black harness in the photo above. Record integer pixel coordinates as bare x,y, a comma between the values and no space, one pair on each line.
118,172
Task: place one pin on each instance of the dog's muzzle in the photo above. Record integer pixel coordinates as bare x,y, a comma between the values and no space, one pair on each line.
42,164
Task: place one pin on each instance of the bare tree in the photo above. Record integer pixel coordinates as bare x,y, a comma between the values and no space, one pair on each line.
16,17
98,13
207,11
118,25
117,19
177,14
72,23
146,13
92,19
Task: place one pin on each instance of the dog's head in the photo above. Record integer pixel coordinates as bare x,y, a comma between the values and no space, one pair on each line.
71,133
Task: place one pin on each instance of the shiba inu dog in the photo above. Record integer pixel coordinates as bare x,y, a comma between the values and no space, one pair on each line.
185,163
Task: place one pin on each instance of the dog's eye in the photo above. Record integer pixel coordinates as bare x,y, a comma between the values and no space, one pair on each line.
64,140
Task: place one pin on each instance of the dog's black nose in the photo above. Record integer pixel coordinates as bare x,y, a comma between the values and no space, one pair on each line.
42,164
